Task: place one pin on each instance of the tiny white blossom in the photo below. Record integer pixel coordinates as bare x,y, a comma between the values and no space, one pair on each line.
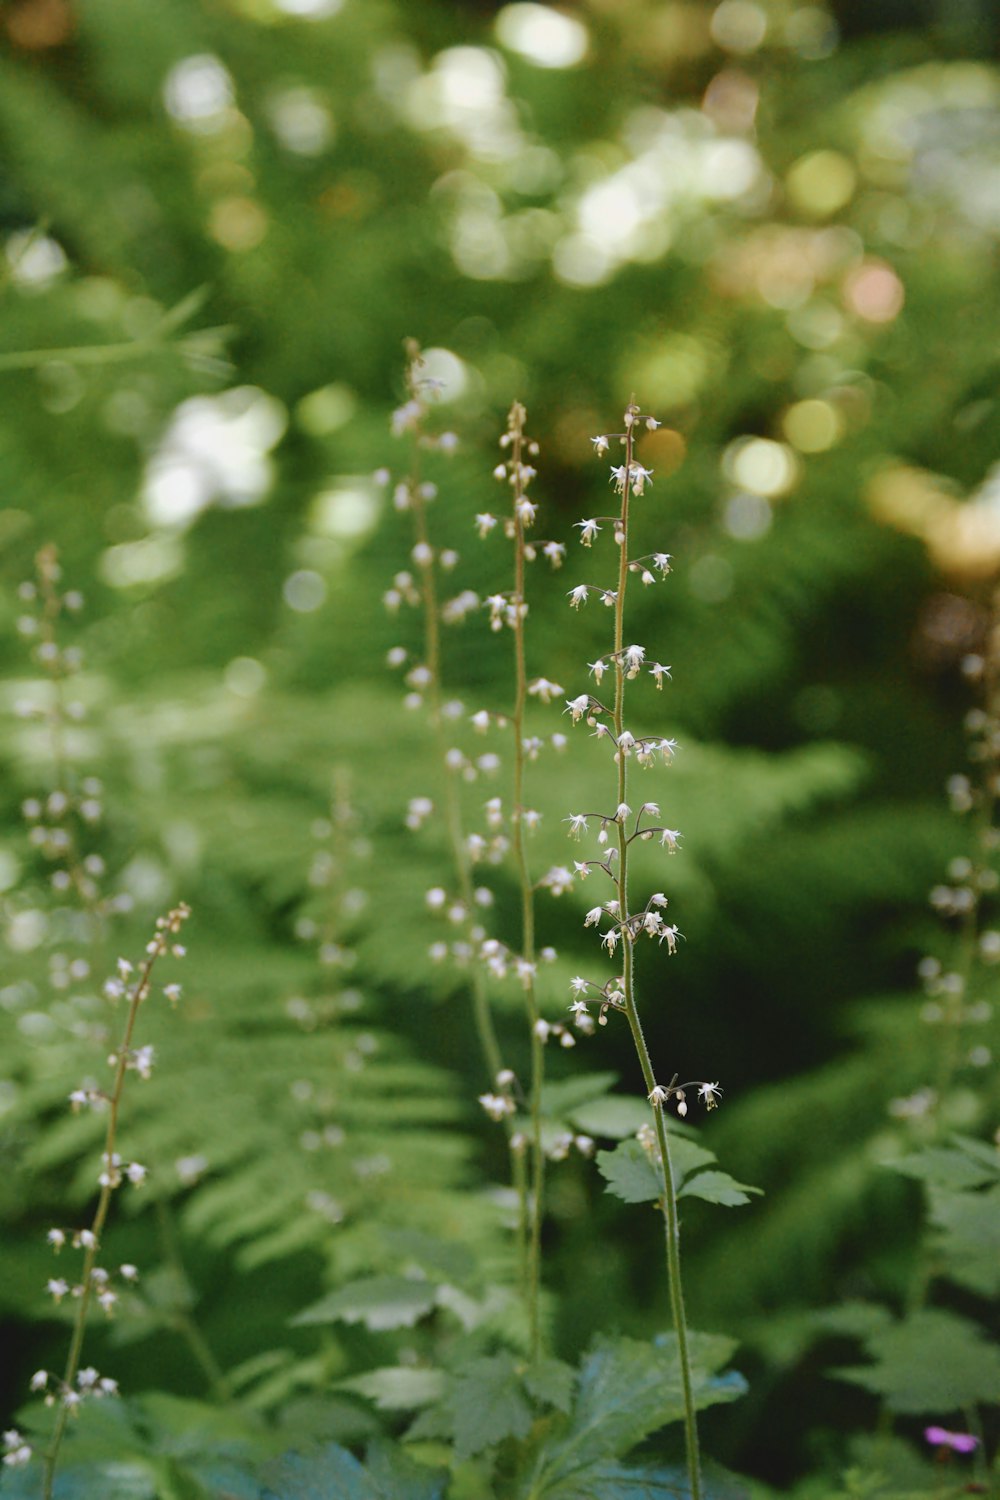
600,445
578,985
545,690
39,1380
657,1096
555,552
709,1094
136,1173
669,838
588,530
577,707
485,523
578,596
57,1287
56,1238
577,824
598,668
593,916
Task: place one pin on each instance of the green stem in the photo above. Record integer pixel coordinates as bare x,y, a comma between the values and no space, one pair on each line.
668,1201
139,992
527,895
482,1014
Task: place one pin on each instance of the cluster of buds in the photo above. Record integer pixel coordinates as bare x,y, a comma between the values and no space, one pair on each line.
15,1450
89,1385
98,1279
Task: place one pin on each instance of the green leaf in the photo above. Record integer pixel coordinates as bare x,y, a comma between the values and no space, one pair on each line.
933,1361
627,1390
335,1474
486,1404
629,1173
687,1156
551,1381
562,1099
969,1237
397,1387
944,1167
615,1116
379,1302
717,1187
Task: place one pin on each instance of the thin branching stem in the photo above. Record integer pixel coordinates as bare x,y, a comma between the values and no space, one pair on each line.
110,1180
482,1013
668,1201
519,610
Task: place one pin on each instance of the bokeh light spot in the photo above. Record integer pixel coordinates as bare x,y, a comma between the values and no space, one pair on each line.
304,591
546,37
813,426
821,183
874,292
738,26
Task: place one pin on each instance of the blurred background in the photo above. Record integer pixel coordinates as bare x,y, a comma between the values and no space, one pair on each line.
776,223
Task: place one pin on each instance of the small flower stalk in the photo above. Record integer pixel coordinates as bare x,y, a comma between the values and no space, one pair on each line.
91,1281
619,924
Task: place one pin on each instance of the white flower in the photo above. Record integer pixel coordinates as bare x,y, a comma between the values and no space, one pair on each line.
709,1094
588,530
577,707
56,1238
545,690
652,424
57,1287
136,1173
661,561
622,811
657,1096
555,552
128,1272
578,985
578,596
610,939
633,659
558,880
39,1380
659,671
577,824
435,898
593,916
600,445
485,523
609,598
526,511
669,838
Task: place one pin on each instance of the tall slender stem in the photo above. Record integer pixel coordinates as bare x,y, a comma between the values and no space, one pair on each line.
519,610
110,1180
671,1224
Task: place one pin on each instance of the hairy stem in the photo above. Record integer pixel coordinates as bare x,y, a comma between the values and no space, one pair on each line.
527,896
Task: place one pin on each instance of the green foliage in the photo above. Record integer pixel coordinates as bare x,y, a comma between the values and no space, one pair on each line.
632,1176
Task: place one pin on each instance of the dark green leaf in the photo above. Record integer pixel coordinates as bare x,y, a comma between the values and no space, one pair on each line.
615,1116
335,1474
551,1382
486,1404
969,1237
933,1361
629,1173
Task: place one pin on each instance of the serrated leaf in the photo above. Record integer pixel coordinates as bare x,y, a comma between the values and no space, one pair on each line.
969,1237
551,1382
854,1319
486,1404
397,1387
627,1390
380,1302
933,1361
335,1474
629,1173
717,1187
615,1481
615,1116
687,1156
946,1167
